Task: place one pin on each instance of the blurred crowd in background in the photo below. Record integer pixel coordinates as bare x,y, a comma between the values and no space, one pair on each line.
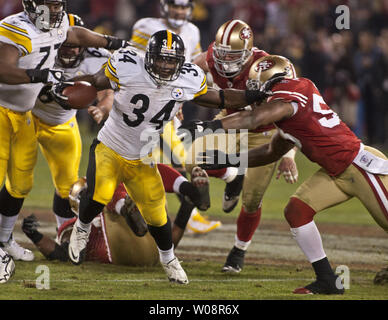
349,66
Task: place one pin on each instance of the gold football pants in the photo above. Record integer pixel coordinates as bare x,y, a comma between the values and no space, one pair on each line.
18,151
61,146
143,182
321,191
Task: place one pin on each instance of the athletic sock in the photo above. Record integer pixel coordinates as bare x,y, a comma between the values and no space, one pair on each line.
247,224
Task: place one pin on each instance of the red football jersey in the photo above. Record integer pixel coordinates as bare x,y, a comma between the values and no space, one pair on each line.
238,82
315,128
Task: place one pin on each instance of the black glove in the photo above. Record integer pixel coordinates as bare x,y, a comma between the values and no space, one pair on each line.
254,94
216,159
57,95
45,75
115,43
196,128
30,228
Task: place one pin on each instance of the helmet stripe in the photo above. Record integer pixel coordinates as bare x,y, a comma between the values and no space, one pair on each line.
228,32
169,39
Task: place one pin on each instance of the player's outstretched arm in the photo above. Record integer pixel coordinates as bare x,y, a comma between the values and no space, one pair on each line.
11,74
80,36
229,98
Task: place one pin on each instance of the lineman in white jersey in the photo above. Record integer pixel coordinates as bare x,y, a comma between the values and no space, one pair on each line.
29,42
175,16
57,128
149,92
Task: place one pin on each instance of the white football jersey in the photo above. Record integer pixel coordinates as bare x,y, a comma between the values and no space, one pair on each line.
141,107
143,29
51,112
37,51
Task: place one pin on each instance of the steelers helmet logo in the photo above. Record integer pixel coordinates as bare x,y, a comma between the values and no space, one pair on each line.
245,33
177,93
264,65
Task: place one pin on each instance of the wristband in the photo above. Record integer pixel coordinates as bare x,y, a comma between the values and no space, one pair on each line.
37,75
35,236
290,154
222,97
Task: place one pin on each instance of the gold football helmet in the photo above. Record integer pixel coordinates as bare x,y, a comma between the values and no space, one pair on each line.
232,47
267,68
75,194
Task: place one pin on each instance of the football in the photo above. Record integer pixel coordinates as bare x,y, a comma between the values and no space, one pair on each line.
81,95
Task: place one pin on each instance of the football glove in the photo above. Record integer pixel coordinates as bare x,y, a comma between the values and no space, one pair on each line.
115,43
52,76
257,93
216,159
56,92
198,128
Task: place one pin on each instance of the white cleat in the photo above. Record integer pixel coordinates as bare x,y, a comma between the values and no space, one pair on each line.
77,246
7,268
16,251
175,272
199,224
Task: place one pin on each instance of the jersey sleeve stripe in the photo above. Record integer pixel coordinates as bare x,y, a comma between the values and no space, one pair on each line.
21,40
203,81
71,19
111,67
110,76
292,92
16,28
139,40
201,92
142,34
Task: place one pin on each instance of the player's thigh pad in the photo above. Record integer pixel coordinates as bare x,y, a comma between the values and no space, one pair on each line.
23,153
61,146
145,186
320,192
103,174
370,189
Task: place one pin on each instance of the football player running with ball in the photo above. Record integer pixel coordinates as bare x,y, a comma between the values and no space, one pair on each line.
175,16
29,42
148,94
348,168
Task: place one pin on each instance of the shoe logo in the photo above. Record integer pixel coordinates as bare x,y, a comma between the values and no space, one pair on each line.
73,256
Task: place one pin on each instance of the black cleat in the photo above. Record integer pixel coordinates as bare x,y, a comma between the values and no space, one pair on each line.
320,286
232,193
234,261
381,277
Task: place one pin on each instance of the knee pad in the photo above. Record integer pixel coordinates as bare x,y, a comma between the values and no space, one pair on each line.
298,213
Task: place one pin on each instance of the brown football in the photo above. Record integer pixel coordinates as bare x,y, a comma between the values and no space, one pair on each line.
81,95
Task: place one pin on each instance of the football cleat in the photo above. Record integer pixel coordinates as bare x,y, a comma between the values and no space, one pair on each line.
77,246
322,287
234,261
199,224
381,277
7,268
133,217
16,251
200,180
232,193
175,272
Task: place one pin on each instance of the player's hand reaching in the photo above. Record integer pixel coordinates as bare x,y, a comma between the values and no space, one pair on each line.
216,159
287,168
96,113
30,225
57,94
115,43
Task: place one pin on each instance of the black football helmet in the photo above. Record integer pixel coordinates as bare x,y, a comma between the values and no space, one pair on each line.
164,56
31,7
66,56
173,21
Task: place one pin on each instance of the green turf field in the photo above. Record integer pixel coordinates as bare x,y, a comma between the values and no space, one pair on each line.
260,279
